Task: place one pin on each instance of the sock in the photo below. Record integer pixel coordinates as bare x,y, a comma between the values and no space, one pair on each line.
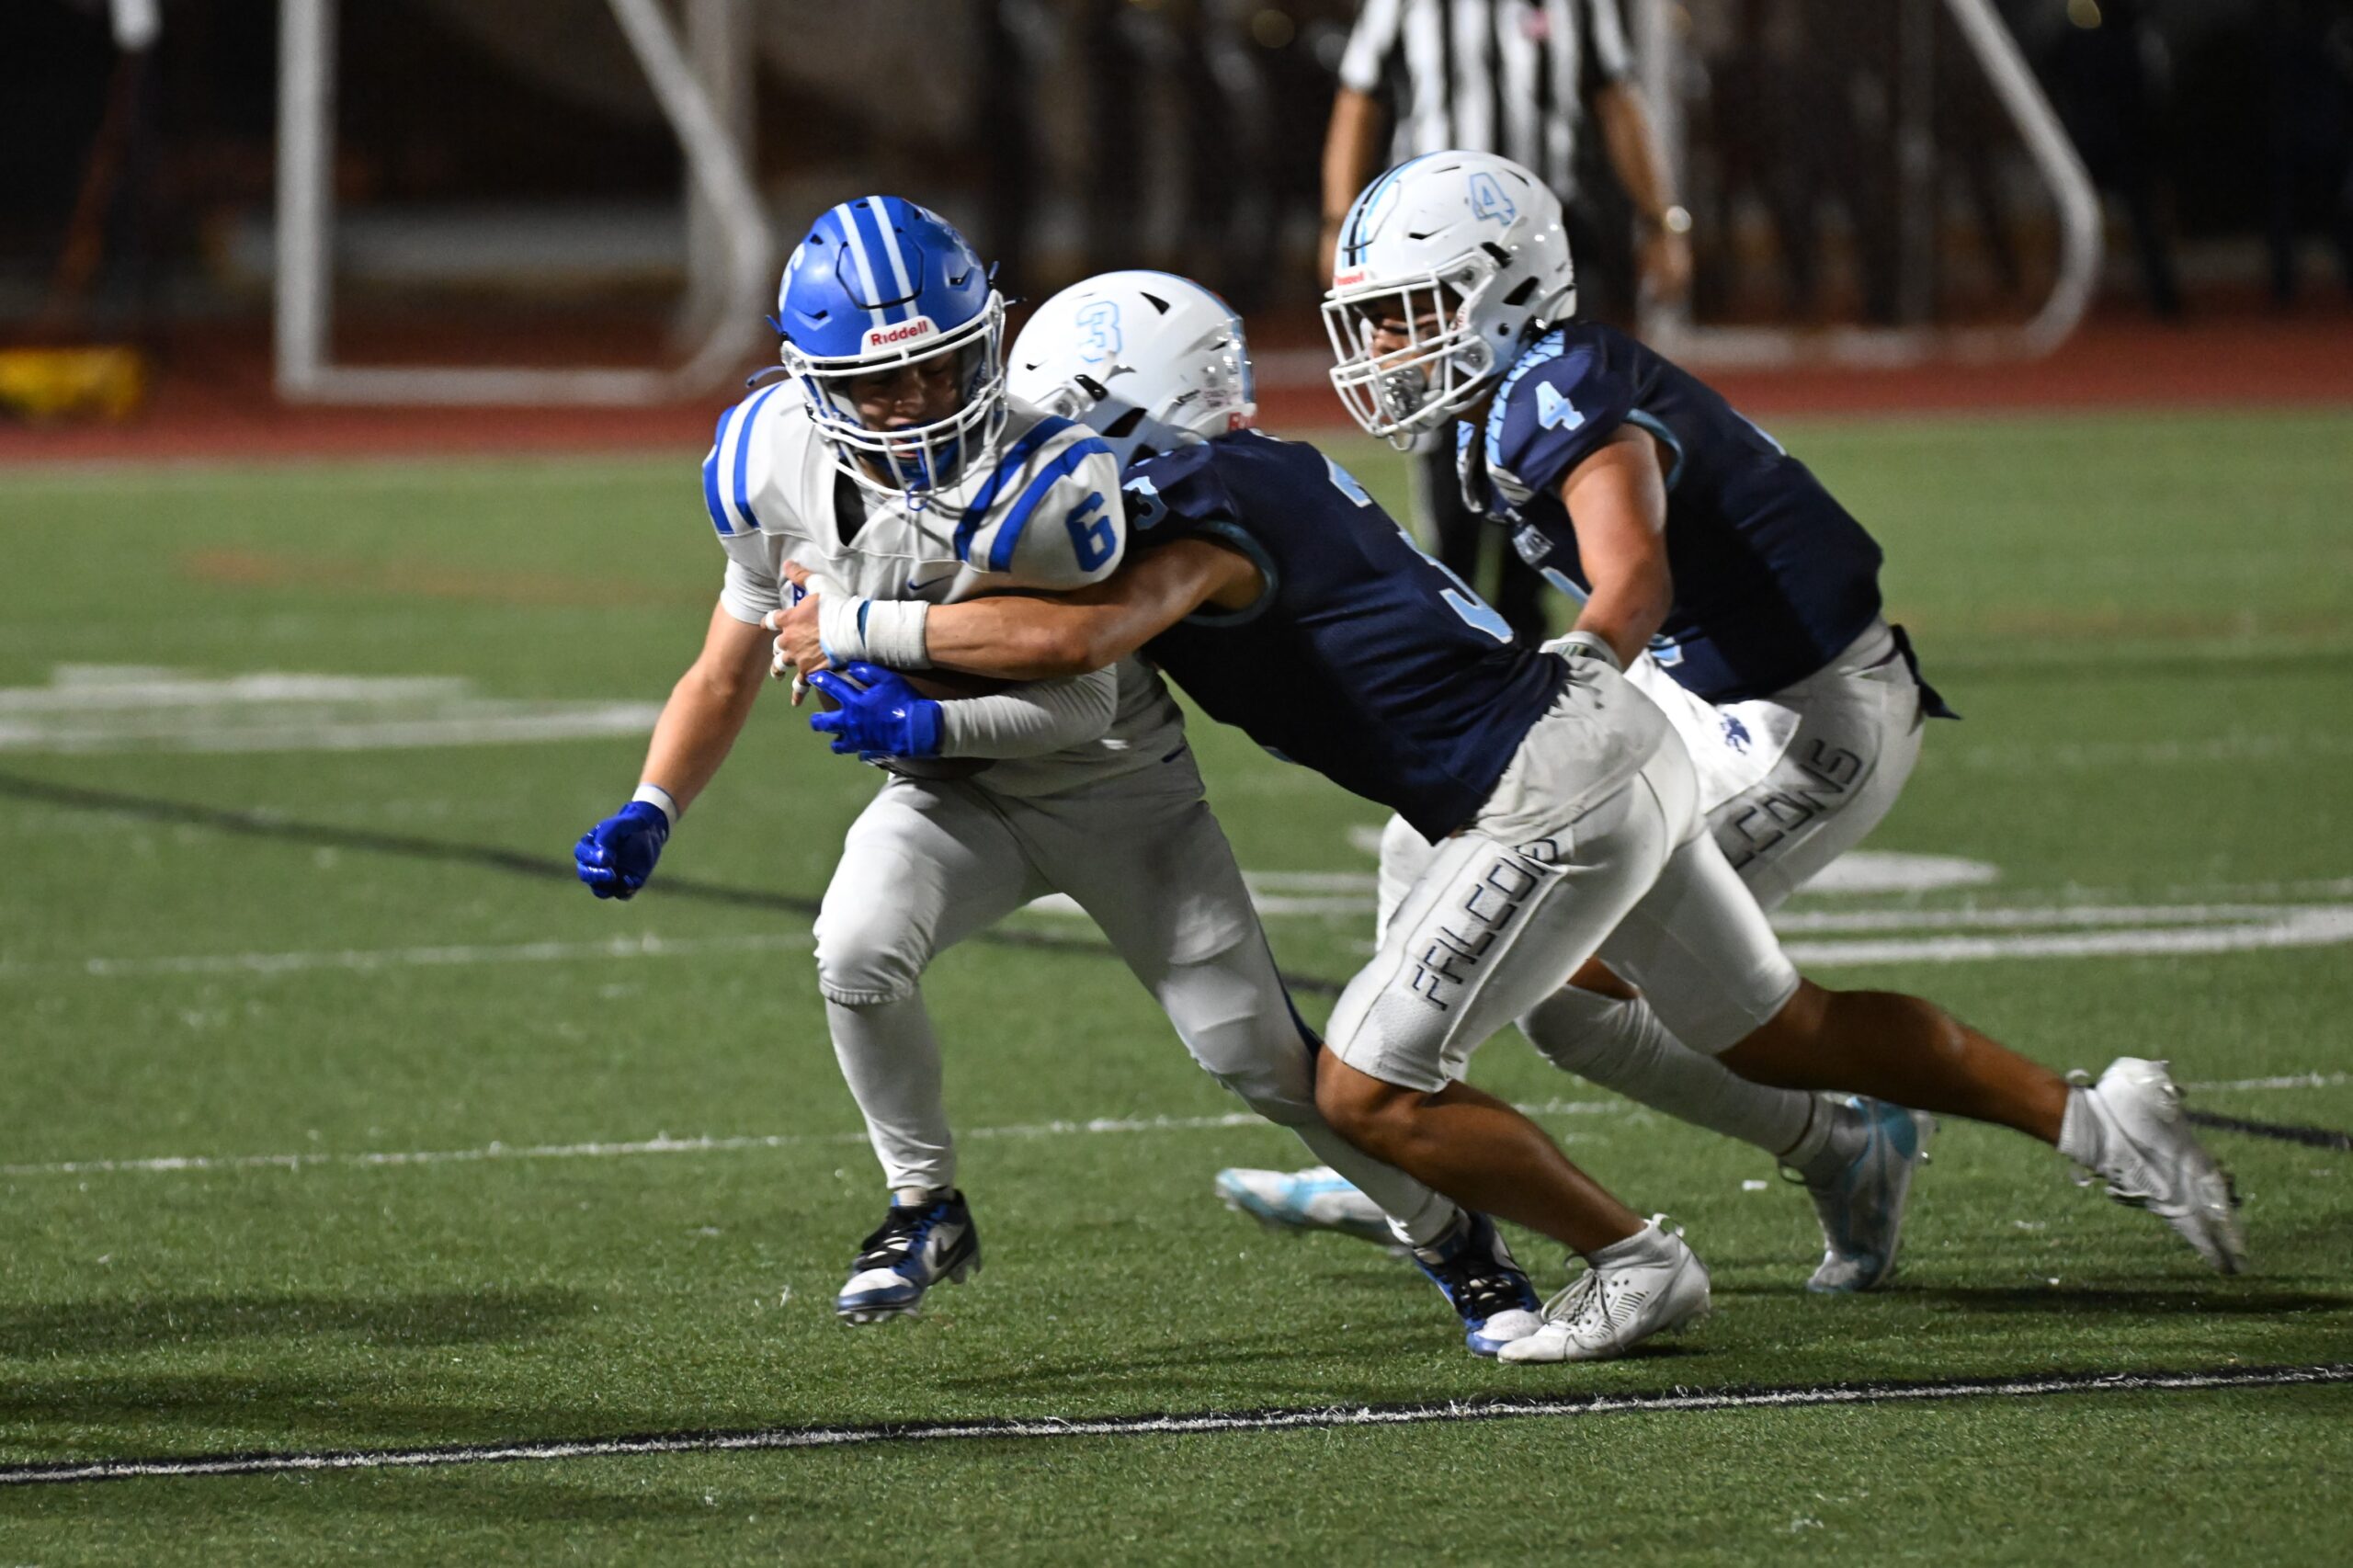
1832,1139
1417,1216
1435,1248
892,1064
2082,1134
1642,1245
1623,1046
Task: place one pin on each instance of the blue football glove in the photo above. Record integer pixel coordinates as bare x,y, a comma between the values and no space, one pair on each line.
879,716
616,855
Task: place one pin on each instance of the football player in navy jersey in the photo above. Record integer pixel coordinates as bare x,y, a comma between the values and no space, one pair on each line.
1266,581
1744,598
1735,589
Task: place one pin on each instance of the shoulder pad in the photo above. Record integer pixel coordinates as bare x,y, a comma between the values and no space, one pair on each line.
1558,404
1177,492
739,473
1049,512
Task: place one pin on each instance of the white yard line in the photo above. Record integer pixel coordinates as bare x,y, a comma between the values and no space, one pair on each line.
89,690
95,709
2284,1081
2084,756
662,1143
2147,930
1077,1425
2307,927
2026,916
548,722
369,960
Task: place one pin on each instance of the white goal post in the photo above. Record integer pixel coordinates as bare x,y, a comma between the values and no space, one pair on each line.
730,249
1659,45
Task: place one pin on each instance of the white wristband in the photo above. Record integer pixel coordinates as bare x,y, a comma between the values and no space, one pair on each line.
882,632
838,629
661,801
894,633
1589,644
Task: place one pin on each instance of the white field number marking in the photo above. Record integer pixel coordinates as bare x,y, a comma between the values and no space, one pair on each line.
89,710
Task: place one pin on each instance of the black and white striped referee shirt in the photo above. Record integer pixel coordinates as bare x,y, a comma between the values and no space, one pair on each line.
1508,76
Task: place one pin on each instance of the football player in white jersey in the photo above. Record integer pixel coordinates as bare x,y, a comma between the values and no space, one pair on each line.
890,466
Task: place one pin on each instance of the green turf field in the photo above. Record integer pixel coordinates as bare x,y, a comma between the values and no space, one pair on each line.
339,1117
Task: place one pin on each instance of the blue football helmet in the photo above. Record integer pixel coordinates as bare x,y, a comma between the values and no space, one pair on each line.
880,283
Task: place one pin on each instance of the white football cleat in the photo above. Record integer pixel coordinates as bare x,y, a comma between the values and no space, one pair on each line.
1610,1308
1861,1208
1318,1199
2151,1160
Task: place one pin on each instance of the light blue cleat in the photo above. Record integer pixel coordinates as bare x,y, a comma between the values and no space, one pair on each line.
1861,1208
1318,1199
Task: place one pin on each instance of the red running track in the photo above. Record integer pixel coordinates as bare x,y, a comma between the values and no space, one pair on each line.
213,401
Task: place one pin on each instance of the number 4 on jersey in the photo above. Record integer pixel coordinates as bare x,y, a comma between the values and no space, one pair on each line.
1554,411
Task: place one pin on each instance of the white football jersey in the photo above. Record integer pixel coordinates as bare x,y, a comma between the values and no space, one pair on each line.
1045,514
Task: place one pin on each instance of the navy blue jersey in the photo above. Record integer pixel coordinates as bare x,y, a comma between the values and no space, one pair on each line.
1773,579
1363,658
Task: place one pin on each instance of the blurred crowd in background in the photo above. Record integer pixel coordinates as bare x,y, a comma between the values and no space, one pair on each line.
521,138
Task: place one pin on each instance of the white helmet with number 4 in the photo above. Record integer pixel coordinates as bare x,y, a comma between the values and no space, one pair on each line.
1465,256
1147,360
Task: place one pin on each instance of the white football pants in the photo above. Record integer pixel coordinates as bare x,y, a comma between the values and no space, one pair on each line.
1848,739
928,864
1592,841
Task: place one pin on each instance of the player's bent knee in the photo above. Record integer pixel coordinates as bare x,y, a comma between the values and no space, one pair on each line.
1577,1031
856,972
1278,1102
1778,1051
1272,1073
1363,1110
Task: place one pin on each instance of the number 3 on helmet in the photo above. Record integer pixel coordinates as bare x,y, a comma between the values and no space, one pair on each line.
1147,360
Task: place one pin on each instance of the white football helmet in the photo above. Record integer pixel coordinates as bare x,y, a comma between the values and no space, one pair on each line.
1468,253
1147,360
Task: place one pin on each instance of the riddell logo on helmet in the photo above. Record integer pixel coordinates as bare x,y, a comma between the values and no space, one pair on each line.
1349,279
905,333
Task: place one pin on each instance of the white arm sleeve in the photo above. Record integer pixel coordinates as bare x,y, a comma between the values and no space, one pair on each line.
1030,719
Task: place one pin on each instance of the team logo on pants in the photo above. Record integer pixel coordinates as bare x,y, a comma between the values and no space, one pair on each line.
1484,912
1829,775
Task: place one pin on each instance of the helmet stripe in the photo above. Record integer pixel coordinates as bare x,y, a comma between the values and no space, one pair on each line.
1362,213
891,249
871,235
847,216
